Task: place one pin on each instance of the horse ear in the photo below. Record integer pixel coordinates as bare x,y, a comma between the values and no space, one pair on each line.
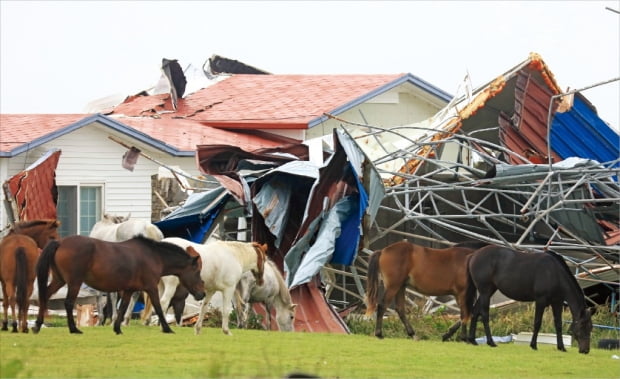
293,306
55,224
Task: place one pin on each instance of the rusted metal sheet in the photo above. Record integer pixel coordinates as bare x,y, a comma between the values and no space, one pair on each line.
33,191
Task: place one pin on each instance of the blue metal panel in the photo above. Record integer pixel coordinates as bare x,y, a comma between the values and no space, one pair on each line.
581,133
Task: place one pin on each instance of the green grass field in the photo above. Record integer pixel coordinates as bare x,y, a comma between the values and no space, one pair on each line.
146,352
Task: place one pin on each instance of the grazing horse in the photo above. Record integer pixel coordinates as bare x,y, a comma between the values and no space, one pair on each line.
432,272
540,277
224,262
273,293
114,228
19,251
128,266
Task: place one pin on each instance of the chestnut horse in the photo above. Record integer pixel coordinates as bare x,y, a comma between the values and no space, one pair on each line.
128,266
432,272
540,277
19,251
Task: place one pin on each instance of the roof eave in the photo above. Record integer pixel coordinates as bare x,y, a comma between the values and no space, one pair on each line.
106,121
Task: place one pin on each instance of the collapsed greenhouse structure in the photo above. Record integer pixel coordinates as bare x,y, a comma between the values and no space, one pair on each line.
515,163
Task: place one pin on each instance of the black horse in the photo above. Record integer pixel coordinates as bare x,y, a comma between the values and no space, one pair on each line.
540,277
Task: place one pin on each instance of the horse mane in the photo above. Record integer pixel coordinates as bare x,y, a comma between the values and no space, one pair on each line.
563,264
284,294
158,246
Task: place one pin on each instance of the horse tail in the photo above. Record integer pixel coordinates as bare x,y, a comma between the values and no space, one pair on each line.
21,281
372,283
470,292
43,268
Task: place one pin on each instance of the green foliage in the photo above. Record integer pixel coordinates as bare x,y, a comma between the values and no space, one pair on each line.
502,323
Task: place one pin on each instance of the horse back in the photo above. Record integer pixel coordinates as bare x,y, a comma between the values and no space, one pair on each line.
521,276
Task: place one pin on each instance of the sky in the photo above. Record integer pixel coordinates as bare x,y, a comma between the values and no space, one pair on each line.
56,57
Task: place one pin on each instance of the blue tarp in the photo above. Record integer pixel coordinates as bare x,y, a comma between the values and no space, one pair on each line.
195,218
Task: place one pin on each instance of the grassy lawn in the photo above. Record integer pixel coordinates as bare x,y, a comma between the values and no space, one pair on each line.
145,352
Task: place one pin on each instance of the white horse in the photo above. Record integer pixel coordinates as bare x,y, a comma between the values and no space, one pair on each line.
273,293
223,264
113,228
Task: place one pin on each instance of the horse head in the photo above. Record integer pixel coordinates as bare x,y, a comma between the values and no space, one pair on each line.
190,277
582,329
286,318
261,257
41,231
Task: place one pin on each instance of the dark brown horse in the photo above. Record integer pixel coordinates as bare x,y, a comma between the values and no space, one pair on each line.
129,266
540,277
19,251
432,272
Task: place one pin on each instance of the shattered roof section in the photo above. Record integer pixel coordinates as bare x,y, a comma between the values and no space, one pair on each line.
265,101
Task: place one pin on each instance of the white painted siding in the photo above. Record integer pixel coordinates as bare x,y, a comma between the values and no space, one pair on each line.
89,157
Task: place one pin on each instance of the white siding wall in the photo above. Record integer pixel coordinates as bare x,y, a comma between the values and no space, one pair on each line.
89,157
405,108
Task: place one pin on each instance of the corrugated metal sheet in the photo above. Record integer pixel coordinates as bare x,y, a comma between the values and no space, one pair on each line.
579,132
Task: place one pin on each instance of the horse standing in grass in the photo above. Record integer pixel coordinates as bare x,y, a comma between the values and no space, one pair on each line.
133,265
224,262
540,277
432,272
273,294
113,228
19,251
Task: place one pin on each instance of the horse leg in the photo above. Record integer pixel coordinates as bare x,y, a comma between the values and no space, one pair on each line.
227,295
125,297
462,323
453,329
113,299
52,288
72,292
400,309
5,305
12,303
153,293
132,303
203,310
557,321
475,313
268,310
485,303
538,313
100,301
380,312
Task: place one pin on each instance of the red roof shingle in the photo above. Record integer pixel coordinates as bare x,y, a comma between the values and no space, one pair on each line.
265,101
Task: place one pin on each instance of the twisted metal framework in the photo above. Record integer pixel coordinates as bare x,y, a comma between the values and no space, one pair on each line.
477,197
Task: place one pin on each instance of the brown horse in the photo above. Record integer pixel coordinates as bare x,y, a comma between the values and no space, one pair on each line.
19,252
432,272
128,266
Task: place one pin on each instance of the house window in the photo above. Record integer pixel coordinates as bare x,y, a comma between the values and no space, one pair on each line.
79,208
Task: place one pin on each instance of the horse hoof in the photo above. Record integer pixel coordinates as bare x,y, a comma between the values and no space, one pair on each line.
445,338
76,331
